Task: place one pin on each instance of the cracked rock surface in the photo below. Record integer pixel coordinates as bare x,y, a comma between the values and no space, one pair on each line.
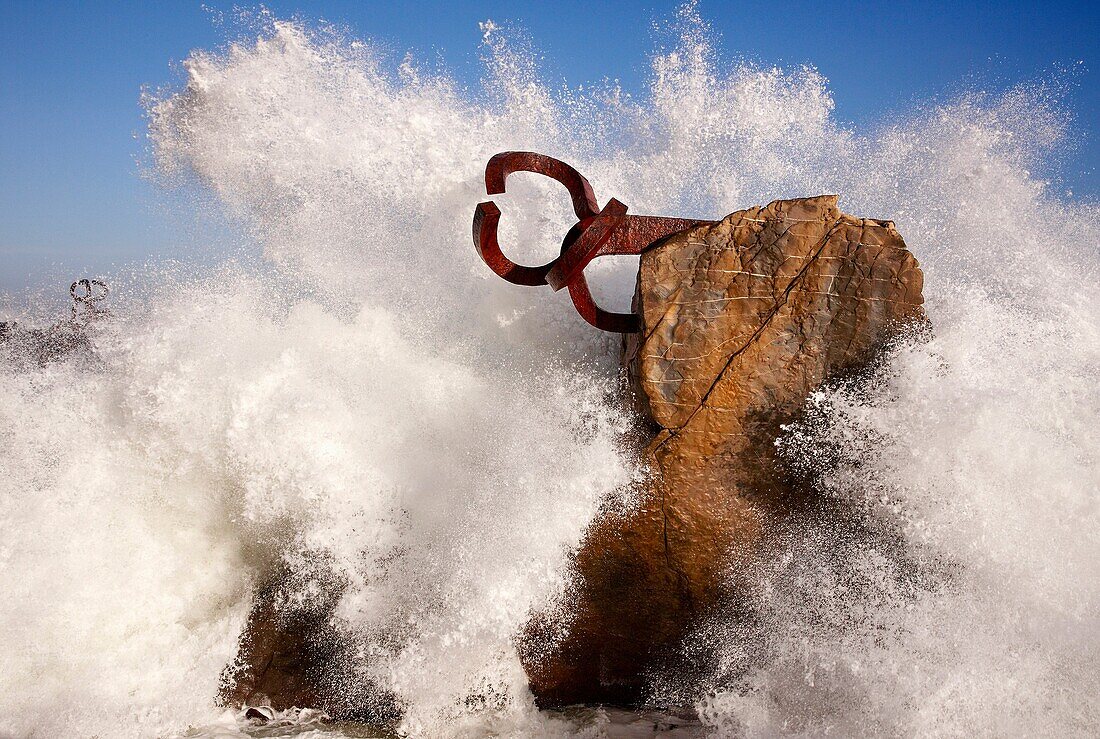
741,321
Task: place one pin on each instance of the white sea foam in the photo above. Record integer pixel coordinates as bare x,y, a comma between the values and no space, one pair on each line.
374,403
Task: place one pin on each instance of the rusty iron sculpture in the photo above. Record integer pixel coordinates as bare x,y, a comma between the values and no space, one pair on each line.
597,233
89,298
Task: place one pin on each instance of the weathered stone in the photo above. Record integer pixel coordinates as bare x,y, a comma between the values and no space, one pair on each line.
38,347
283,654
741,320
293,655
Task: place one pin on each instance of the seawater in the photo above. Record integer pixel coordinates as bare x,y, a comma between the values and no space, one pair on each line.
368,404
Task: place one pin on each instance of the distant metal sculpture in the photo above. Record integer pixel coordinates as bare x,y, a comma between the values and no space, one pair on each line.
597,233
89,298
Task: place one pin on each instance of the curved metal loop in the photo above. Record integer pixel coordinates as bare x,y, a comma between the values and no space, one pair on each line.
94,290
605,320
487,215
507,162
581,245
486,218
583,242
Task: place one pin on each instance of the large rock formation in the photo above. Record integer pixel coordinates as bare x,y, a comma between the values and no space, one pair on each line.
741,320
40,346
27,347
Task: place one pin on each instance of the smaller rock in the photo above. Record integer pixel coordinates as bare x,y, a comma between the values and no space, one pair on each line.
261,714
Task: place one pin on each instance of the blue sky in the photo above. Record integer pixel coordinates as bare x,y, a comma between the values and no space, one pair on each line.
71,74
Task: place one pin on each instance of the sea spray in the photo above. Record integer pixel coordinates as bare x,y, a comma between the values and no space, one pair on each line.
377,401
224,435
959,595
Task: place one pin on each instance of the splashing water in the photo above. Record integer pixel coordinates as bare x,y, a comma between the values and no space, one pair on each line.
374,405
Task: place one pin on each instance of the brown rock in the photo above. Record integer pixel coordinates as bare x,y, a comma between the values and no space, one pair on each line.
293,655
741,320
282,654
